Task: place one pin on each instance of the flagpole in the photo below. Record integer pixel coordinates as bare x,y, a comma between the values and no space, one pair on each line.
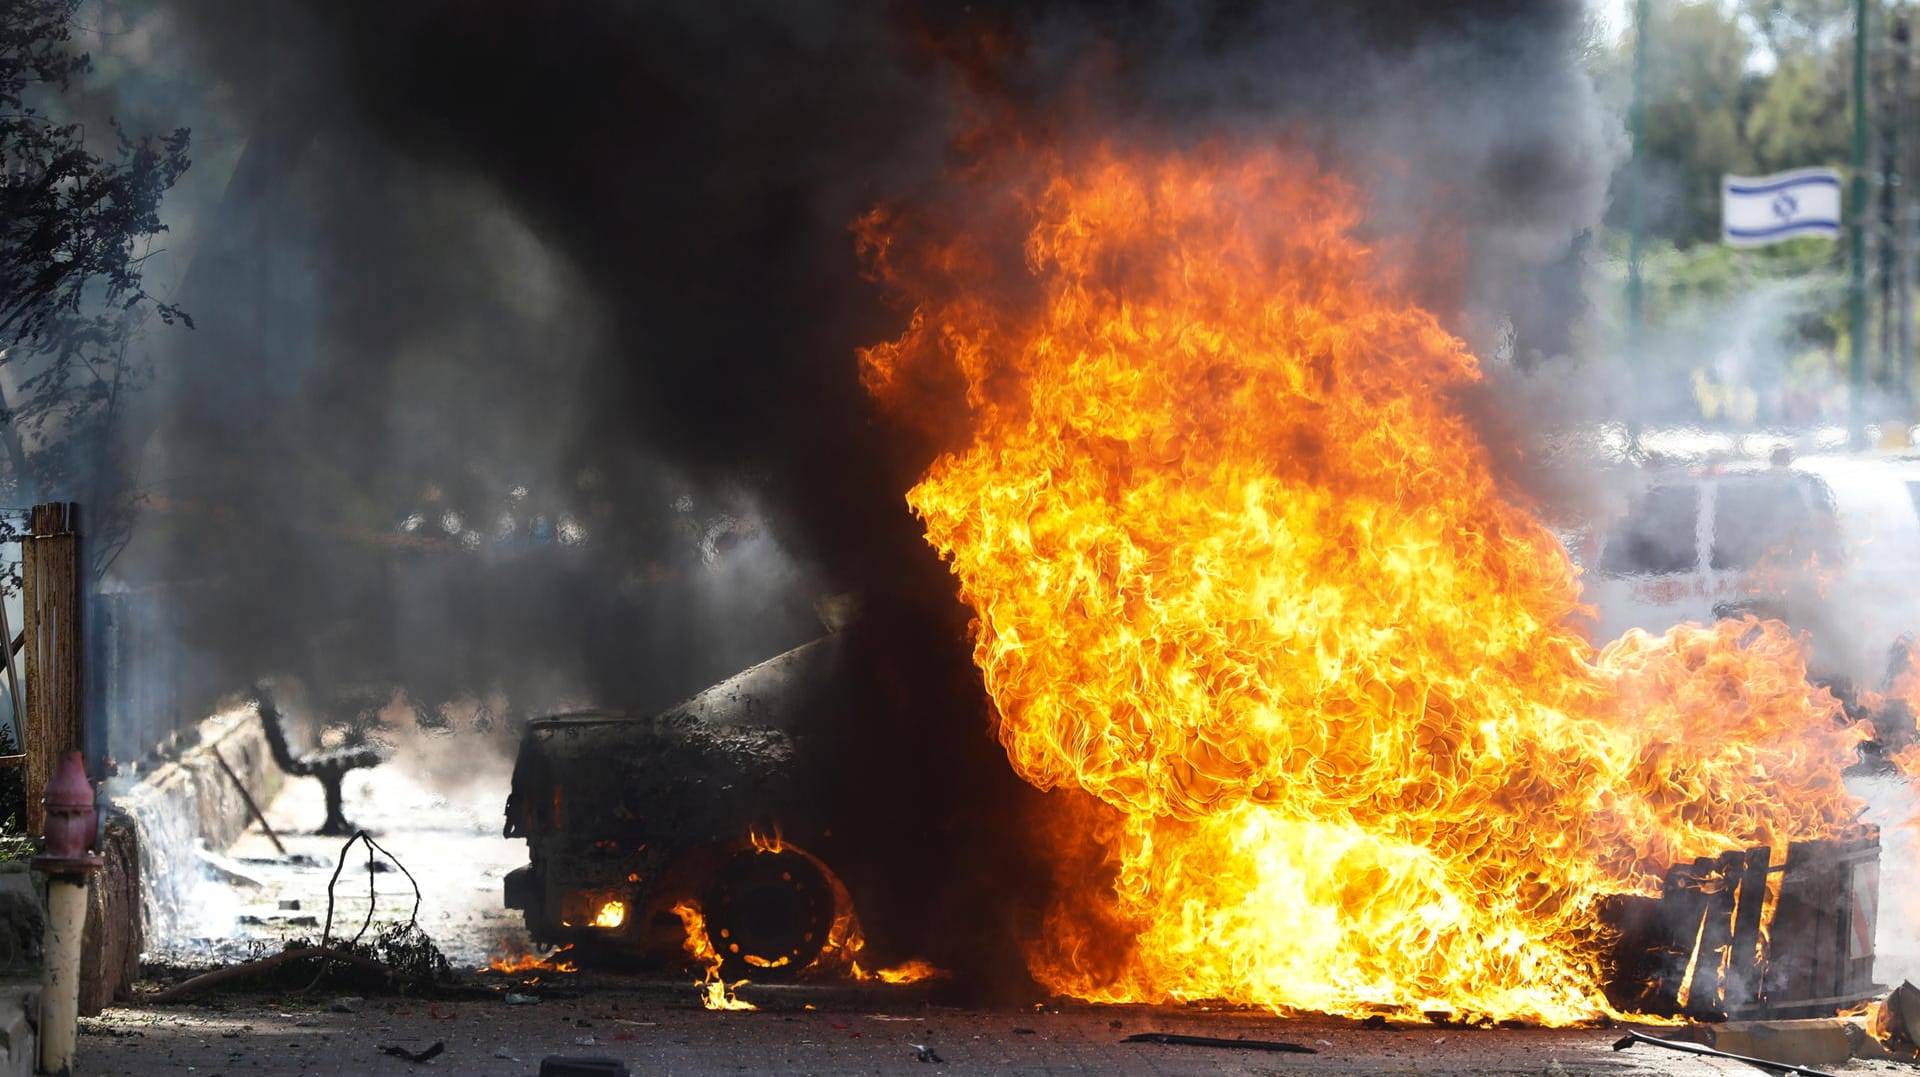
1857,287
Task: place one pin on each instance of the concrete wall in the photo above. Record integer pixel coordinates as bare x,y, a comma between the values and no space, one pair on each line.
159,821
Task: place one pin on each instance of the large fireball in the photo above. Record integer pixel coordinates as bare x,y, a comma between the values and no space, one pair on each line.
1247,592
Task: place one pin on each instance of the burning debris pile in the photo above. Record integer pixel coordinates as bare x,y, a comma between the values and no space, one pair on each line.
1306,679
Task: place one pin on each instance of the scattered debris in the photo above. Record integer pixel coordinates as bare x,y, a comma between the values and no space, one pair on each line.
291,860
1217,1041
250,968
1820,1041
562,1066
226,870
1895,1020
924,1053
514,999
1632,1038
427,1055
506,1054
1023,1032
413,918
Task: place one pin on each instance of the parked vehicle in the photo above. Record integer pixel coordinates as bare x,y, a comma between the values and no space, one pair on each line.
1828,544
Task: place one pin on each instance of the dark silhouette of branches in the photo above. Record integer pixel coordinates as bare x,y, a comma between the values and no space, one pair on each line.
75,231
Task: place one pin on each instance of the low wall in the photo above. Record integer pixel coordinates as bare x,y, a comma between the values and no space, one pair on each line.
110,945
159,820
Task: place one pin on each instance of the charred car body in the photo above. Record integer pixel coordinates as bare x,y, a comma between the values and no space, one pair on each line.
626,816
777,803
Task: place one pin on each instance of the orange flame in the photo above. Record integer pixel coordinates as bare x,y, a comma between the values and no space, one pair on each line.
518,962
1903,689
1245,584
910,972
612,914
715,993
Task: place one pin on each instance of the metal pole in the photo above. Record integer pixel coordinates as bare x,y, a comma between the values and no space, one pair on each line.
1635,195
1887,233
1857,288
1902,357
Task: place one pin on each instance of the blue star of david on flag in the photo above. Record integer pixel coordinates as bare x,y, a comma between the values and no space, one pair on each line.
1756,210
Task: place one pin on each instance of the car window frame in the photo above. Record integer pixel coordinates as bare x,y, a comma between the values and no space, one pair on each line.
1702,491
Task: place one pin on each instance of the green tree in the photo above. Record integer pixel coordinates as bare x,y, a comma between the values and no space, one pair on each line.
1696,91
1798,27
1800,115
74,226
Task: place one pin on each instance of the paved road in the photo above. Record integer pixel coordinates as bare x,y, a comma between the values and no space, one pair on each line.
659,1029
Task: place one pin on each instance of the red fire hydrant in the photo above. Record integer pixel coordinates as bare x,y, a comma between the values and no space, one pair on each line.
71,819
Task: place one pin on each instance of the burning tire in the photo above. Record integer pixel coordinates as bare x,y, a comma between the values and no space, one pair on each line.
769,912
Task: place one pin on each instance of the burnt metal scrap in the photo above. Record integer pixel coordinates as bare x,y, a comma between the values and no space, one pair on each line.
426,1055
1702,948
1770,1066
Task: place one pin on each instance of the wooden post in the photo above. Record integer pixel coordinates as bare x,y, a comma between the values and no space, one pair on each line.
1743,969
1704,994
1685,907
49,564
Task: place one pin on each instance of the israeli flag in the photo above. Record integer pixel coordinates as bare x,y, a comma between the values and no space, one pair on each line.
1758,210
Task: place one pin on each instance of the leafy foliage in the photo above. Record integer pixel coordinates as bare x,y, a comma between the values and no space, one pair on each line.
1758,89
1748,87
70,222
75,231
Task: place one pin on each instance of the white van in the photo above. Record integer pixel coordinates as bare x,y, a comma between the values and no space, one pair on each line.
1828,544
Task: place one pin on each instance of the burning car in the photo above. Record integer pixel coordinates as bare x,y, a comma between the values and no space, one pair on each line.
764,826
627,817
